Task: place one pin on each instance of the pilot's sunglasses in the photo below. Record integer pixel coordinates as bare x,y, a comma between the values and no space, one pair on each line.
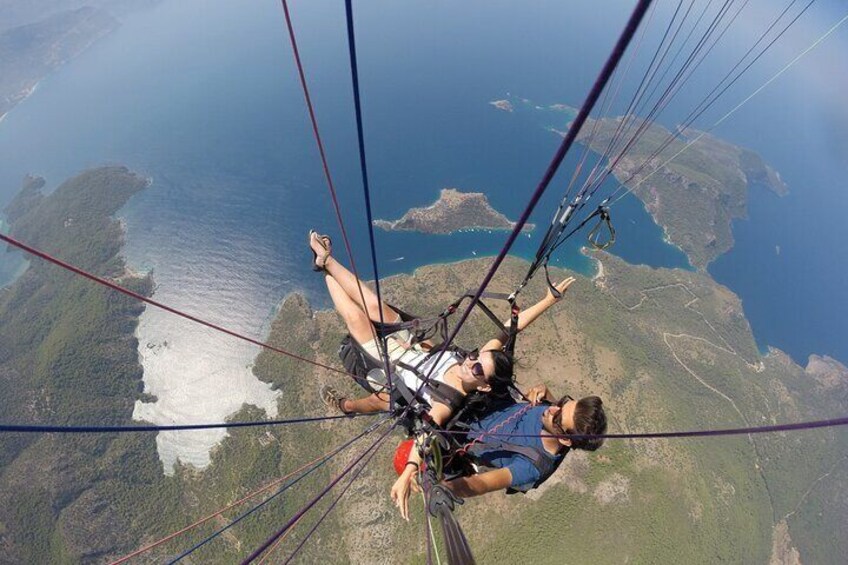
557,419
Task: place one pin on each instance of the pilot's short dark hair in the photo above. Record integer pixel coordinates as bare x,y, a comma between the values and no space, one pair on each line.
589,419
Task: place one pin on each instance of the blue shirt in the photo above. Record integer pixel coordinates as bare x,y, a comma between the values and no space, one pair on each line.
524,474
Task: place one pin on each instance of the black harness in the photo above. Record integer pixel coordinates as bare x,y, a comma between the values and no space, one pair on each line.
467,462
363,367
369,372
545,463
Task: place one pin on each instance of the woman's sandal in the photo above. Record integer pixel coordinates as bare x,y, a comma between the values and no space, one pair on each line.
319,262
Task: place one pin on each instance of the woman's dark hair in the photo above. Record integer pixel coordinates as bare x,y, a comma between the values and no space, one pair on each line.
504,378
478,404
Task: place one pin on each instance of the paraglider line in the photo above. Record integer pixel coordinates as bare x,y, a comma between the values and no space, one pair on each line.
114,286
242,500
27,428
253,556
285,487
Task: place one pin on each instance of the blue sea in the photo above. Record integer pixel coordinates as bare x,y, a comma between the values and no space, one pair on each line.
203,98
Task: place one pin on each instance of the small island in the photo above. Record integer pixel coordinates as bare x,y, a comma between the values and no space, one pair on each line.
504,105
453,211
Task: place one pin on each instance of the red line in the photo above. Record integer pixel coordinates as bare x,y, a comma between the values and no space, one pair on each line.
172,310
330,185
216,514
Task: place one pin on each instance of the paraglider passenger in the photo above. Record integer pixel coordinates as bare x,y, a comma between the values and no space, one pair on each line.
454,377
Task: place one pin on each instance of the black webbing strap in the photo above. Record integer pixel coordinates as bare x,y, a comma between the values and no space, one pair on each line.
554,238
438,390
554,290
446,394
594,233
486,310
540,459
402,392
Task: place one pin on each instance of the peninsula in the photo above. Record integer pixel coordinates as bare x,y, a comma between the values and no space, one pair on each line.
30,52
68,355
454,211
696,196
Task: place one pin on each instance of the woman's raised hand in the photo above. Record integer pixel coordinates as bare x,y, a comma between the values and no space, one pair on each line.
562,286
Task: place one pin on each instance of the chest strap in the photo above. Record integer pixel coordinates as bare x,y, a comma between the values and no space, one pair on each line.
544,462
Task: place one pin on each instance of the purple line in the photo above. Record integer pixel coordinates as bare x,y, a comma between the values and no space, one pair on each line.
335,502
27,428
314,501
692,433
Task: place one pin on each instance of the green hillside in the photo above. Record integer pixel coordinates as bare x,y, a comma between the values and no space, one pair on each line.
666,349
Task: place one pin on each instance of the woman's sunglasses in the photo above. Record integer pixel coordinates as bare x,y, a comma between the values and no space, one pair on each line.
476,368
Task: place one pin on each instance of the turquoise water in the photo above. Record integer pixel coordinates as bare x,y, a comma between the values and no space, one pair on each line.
203,98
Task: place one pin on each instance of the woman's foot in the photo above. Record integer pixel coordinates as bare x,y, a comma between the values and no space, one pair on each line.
321,247
333,399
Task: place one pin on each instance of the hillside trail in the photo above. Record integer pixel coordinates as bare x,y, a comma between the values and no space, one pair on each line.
725,348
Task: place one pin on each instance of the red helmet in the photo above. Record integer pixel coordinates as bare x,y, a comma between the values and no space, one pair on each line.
402,455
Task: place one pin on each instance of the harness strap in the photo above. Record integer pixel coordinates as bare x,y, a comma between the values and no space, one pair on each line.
540,458
554,290
594,234
402,392
449,395
440,391
543,461
486,310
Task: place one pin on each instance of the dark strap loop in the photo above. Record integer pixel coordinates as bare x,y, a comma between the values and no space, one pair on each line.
554,290
594,234
486,310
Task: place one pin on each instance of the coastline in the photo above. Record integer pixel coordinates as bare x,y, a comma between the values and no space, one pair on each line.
473,229
598,277
588,273
19,98
447,214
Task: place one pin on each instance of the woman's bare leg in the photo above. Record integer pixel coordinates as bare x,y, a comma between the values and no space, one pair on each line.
358,325
351,285
367,405
354,288
362,330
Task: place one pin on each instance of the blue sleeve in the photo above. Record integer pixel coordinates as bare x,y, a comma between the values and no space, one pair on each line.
524,473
